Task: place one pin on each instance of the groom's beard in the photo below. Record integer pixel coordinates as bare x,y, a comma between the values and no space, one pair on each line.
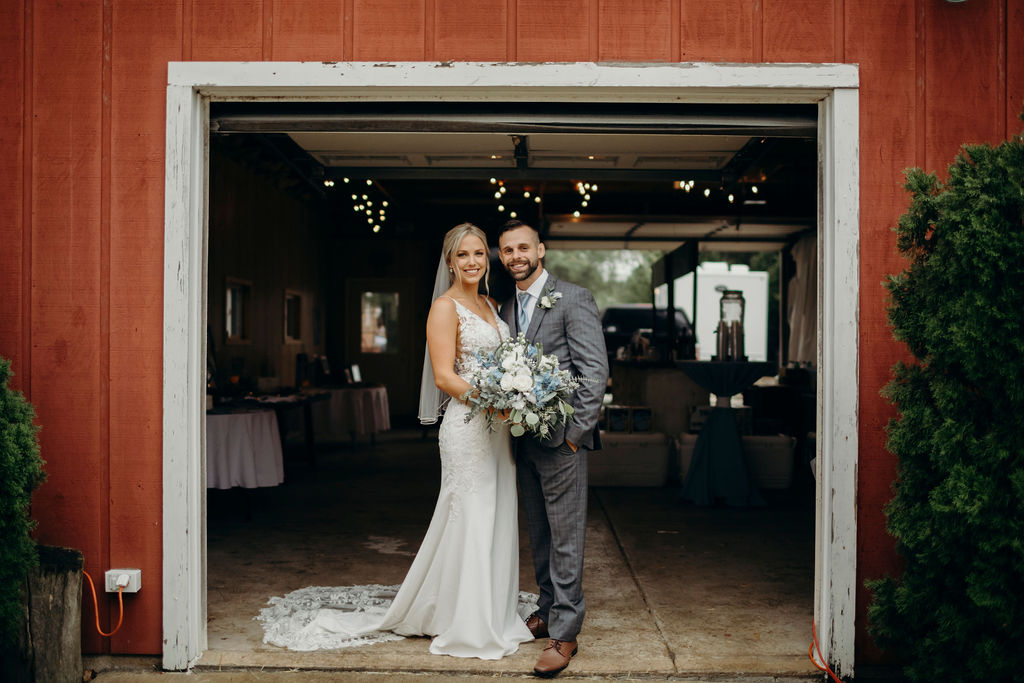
530,270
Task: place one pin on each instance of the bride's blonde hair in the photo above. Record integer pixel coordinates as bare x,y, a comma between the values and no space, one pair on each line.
450,247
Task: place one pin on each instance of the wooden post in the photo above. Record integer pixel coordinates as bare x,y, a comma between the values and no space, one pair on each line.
50,641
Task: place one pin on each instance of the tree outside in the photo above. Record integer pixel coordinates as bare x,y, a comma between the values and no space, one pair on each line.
956,613
614,277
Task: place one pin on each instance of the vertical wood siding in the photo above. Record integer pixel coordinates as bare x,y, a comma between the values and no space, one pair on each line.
887,140
392,30
469,31
634,31
14,228
1013,63
307,30
81,190
553,31
68,309
145,37
720,31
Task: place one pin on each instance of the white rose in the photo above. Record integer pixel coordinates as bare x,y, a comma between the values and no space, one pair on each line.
508,381
518,404
522,382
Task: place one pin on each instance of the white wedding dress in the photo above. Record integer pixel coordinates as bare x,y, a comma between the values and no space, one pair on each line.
462,587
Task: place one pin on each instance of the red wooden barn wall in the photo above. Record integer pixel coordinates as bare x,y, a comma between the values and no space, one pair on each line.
81,191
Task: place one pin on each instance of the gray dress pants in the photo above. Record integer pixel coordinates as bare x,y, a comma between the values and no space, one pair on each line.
553,488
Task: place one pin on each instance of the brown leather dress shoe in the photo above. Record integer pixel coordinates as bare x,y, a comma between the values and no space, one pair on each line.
537,626
555,657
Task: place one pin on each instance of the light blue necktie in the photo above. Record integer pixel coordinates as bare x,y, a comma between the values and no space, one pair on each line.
524,319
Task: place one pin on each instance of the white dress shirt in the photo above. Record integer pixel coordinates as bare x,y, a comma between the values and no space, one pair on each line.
536,290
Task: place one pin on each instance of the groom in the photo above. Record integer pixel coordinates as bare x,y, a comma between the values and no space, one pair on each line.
553,473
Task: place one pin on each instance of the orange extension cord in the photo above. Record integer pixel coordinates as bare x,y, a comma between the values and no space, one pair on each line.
96,608
810,653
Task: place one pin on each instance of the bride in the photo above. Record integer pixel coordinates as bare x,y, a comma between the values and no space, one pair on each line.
462,587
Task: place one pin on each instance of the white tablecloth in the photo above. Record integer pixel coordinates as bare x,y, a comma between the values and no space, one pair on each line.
243,449
352,411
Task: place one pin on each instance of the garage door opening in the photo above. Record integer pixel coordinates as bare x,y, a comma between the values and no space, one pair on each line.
570,230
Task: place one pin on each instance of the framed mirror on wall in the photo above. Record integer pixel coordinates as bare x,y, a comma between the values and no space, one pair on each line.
237,311
381,335
379,329
292,316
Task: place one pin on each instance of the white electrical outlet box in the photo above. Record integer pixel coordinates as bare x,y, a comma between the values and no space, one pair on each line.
130,578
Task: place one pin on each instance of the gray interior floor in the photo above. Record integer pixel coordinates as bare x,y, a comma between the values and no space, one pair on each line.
672,590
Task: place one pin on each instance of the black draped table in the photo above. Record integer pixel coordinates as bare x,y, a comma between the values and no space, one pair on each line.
717,469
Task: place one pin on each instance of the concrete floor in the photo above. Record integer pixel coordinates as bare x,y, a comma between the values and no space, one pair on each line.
673,591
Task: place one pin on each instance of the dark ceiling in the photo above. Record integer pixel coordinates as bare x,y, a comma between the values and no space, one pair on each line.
663,174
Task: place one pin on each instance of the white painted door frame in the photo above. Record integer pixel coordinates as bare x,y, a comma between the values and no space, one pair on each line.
191,87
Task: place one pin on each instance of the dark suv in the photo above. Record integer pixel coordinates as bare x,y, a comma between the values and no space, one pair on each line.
620,321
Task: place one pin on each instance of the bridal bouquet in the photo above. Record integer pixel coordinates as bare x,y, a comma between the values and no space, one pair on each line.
518,377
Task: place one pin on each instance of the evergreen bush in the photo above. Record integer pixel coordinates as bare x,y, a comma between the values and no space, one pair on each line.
21,471
957,611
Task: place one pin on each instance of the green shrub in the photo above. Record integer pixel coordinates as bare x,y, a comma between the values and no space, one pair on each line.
21,471
957,611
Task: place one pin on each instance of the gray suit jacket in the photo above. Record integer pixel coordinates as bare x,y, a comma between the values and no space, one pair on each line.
571,330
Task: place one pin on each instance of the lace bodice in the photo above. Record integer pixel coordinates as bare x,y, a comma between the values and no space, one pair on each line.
476,334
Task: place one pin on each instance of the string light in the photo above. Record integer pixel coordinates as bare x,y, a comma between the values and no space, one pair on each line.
328,183
536,200
512,214
344,180
707,192
494,181
362,204
753,188
526,194
585,190
731,199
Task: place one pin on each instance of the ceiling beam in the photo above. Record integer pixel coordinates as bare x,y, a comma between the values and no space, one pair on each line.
509,173
510,124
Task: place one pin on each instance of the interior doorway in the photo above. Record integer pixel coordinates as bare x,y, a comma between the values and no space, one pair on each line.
183,445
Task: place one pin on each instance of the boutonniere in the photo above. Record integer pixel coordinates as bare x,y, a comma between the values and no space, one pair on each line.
550,298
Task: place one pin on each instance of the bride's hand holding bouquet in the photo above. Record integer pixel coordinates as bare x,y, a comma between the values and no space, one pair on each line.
517,384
